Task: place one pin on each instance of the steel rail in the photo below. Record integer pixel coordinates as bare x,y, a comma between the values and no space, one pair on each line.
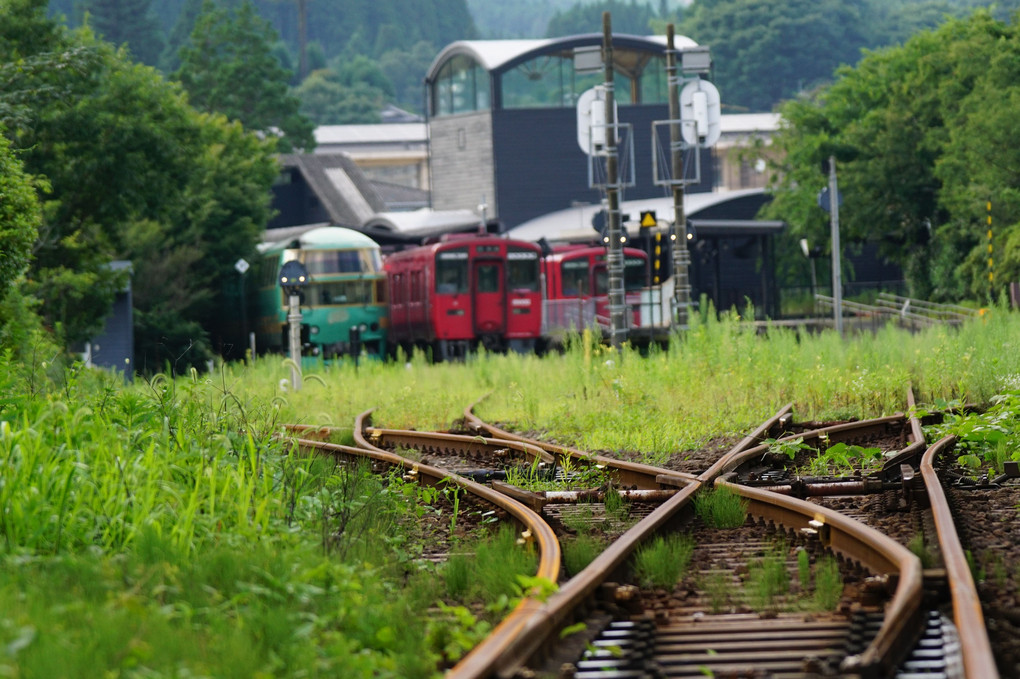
627,474
856,542
481,660
562,607
978,660
408,437
731,460
912,453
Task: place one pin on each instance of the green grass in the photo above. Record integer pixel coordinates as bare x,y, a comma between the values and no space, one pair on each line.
489,569
768,579
580,551
663,561
161,528
720,508
828,584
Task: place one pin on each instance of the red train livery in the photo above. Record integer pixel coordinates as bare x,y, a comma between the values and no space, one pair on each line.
465,290
577,288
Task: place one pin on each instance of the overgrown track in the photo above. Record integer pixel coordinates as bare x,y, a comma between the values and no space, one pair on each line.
892,577
479,661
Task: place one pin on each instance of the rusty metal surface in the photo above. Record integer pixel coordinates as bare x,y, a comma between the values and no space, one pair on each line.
534,627
626,474
481,660
856,542
978,660
837,432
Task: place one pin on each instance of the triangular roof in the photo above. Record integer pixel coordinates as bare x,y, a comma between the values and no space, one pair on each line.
347,195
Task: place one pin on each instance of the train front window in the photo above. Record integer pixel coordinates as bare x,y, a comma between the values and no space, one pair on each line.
333,261
601,281
522,269
452,271
574,276
633,274
340,292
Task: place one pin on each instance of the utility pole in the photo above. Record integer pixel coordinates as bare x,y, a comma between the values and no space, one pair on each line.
614,256
991,260
837,277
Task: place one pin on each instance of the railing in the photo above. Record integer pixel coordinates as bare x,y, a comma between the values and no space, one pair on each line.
913,313
649,308
940,312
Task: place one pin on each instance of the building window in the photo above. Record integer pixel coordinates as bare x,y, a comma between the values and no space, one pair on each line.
550,81
461,86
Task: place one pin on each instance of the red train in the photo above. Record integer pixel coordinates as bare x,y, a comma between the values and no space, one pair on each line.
466,290
577,288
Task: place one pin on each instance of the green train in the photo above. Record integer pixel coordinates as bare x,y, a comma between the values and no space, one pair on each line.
344,306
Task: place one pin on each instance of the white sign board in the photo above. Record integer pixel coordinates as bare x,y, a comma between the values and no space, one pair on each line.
700,113
591,120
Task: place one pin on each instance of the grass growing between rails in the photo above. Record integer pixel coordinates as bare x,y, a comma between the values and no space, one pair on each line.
663,561
720,507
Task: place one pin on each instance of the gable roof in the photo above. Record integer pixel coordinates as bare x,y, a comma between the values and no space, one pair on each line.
347,195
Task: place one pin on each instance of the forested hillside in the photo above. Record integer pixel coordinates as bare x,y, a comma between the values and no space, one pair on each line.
356,56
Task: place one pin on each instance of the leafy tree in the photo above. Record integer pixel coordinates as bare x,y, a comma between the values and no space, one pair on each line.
133,173
228,67
19,218
178,36
128,22
923,137
327,101
764,51
406,70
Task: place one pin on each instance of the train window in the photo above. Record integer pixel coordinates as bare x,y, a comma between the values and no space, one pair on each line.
452,271
488,277
633,274
380,291
522,269
574,275
332,261
341,292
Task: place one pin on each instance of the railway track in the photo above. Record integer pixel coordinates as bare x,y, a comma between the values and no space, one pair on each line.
604,622
888,630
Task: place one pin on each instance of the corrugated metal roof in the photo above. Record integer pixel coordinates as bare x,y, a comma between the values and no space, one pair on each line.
575,223
493,54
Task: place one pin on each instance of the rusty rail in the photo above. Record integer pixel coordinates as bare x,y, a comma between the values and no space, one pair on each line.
855,542
978,661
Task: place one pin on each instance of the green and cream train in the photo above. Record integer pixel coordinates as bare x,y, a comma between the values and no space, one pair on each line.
343,307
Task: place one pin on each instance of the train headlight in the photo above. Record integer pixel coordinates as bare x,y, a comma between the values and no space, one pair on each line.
313,330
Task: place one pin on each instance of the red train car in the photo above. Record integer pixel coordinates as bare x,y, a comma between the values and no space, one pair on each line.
577,288
463,291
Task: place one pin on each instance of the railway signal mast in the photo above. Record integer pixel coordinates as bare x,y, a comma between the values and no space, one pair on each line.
694,123
600,136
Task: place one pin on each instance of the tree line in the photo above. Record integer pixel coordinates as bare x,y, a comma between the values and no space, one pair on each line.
928,158
106,159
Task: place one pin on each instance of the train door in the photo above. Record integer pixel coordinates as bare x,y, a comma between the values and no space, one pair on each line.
489,297
600,290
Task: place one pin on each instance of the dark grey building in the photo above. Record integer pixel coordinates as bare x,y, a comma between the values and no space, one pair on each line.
502,122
